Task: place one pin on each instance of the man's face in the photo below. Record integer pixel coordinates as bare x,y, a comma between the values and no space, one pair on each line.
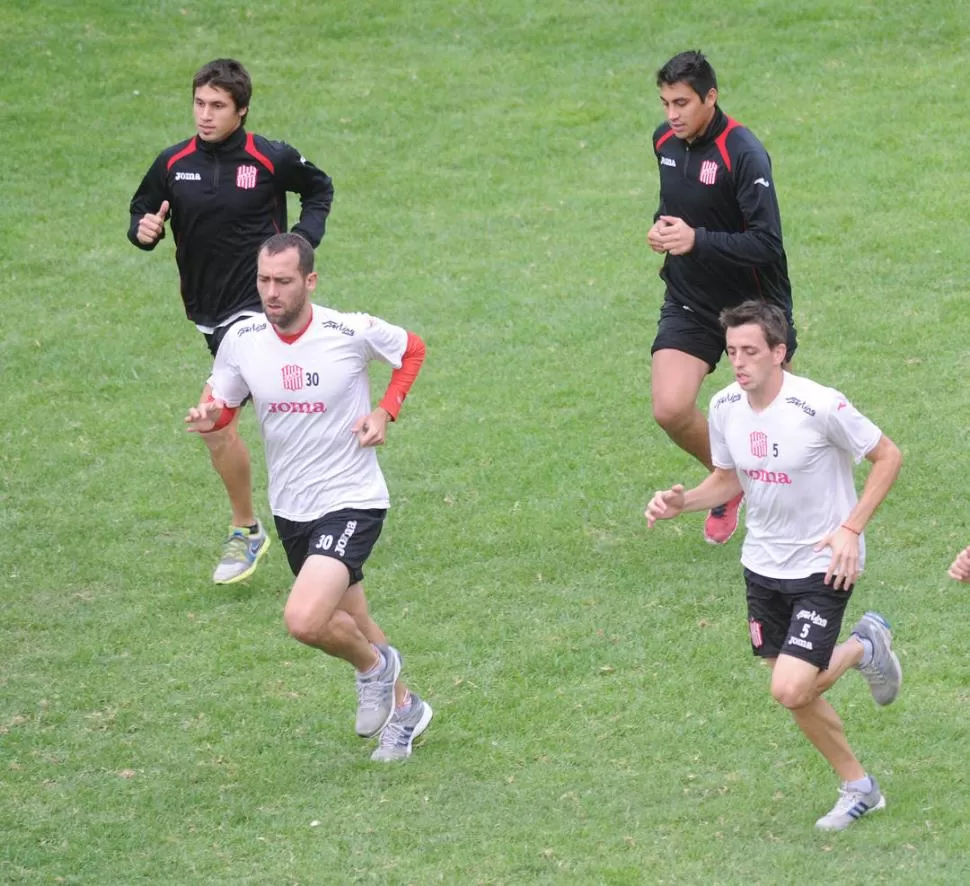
283,289
687,114
216,114
755,364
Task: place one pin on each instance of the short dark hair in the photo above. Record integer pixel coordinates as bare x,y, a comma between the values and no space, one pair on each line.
230,75
771,319
692,68
281,242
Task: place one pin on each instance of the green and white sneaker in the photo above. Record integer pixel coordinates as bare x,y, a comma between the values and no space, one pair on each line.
398,736
851,806
883,673
241,553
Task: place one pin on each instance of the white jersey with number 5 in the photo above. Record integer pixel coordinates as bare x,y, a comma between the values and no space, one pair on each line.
795,461
308,392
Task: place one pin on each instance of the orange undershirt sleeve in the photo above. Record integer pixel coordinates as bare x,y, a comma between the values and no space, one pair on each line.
403,378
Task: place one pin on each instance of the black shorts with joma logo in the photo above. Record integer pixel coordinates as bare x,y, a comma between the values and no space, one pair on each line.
347,535
800,617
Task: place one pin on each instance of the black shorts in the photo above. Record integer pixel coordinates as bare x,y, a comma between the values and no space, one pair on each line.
681,329
800,617
214,339
347,535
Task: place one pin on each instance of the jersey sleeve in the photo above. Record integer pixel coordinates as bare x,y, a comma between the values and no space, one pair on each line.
720,454
760,242
226,381
151,193
381,340
315,188
849,429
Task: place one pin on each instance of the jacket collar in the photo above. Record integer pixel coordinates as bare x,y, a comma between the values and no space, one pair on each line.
717,125
236,140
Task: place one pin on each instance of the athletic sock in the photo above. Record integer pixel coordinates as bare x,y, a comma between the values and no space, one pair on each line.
405,705
866,650
864,784
374,671
254,529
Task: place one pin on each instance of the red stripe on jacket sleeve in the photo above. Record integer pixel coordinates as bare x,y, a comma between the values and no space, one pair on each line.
721,142
188,149
253,152
668,134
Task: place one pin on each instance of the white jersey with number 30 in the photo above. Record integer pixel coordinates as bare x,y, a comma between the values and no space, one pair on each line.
795,461
308,393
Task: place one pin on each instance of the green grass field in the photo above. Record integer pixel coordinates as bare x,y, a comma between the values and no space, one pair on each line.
598,716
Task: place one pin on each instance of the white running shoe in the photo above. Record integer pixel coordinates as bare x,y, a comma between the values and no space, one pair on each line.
851,806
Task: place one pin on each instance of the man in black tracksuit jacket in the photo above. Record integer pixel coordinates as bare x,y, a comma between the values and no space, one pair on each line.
226,199
719,227
223,192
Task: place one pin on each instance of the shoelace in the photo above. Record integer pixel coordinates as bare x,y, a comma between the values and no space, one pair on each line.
237,546
370,693
873,673
395,735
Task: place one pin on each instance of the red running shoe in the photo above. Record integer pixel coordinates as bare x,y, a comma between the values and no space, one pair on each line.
722,522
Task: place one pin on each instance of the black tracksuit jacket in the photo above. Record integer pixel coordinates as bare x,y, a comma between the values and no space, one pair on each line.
225,199
721,185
